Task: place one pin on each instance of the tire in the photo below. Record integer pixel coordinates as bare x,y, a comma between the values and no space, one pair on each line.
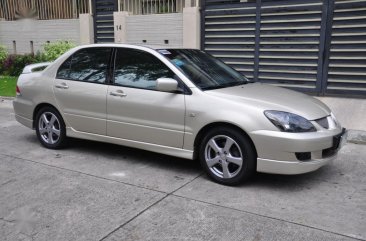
50,128
227,156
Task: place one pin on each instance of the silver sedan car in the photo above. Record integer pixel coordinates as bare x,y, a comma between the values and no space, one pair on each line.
179,102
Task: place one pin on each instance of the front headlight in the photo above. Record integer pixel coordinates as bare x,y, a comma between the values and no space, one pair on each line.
289,122
336,123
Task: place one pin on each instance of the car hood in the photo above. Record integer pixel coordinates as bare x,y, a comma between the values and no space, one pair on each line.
268,97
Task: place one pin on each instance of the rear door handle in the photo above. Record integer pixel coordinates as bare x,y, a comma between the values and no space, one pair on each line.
62,86
119,93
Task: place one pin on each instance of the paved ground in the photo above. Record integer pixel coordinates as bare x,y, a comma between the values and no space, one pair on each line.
94,191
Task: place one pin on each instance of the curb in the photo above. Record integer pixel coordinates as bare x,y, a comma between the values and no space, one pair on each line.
6,98
357,137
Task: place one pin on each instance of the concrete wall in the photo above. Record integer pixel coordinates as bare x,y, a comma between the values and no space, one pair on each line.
120,29
38,31
86,29
155,29
350,112
191,27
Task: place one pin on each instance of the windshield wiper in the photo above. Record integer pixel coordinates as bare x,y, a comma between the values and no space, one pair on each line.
230,84
235,84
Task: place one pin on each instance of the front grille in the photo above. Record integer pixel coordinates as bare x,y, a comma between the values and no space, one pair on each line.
323,122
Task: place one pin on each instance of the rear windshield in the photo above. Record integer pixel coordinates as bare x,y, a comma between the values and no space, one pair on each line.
204,70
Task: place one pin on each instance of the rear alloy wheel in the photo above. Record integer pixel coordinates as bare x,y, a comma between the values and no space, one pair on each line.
50,128
227,156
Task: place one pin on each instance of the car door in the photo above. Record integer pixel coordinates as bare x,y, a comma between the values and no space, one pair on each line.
80,89
135,109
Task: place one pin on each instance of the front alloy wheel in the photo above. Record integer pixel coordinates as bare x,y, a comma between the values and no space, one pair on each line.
223,156
227,156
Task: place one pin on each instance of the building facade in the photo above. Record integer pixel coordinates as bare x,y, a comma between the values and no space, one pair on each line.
315,46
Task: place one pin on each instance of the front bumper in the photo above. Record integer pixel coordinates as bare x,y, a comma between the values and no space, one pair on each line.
277,151
291,168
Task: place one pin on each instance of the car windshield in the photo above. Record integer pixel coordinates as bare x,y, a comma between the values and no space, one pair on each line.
204,70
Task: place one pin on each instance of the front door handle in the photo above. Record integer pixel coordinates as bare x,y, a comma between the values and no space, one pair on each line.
119,93
62,86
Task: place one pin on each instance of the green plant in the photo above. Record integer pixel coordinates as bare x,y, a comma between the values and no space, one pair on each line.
14,64
3,53
53,50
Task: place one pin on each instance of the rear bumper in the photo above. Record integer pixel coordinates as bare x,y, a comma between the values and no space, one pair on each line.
279,154
23,110
22,120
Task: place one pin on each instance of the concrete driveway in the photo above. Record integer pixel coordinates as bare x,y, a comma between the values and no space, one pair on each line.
96,191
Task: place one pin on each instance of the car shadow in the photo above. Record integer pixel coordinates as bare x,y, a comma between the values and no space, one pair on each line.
134,155
293,183
129,154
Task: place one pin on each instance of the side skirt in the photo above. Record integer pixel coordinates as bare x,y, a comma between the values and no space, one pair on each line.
171,151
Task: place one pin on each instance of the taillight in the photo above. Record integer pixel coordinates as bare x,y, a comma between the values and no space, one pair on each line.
18,90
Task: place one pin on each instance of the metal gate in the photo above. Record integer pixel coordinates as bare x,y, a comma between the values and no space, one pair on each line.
316,46
103,20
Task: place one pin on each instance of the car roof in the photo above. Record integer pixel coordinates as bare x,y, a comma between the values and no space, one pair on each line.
117,45
51,70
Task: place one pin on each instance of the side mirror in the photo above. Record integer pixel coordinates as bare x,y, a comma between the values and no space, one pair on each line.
167,84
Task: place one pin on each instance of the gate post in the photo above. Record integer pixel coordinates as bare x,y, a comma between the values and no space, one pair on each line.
202,35
327,45
191,27
120,23
324,46
86,28
257,40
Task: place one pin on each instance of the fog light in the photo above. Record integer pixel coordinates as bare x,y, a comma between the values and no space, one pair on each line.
303,156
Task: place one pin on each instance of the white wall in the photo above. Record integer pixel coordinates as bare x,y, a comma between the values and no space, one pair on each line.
155,29
38,31
86,28
191,27
349,112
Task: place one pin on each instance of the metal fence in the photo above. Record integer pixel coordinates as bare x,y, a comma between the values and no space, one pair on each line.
42,9
314,46
141,7
103,11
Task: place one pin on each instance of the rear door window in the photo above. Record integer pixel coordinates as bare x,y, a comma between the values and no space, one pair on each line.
88,65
